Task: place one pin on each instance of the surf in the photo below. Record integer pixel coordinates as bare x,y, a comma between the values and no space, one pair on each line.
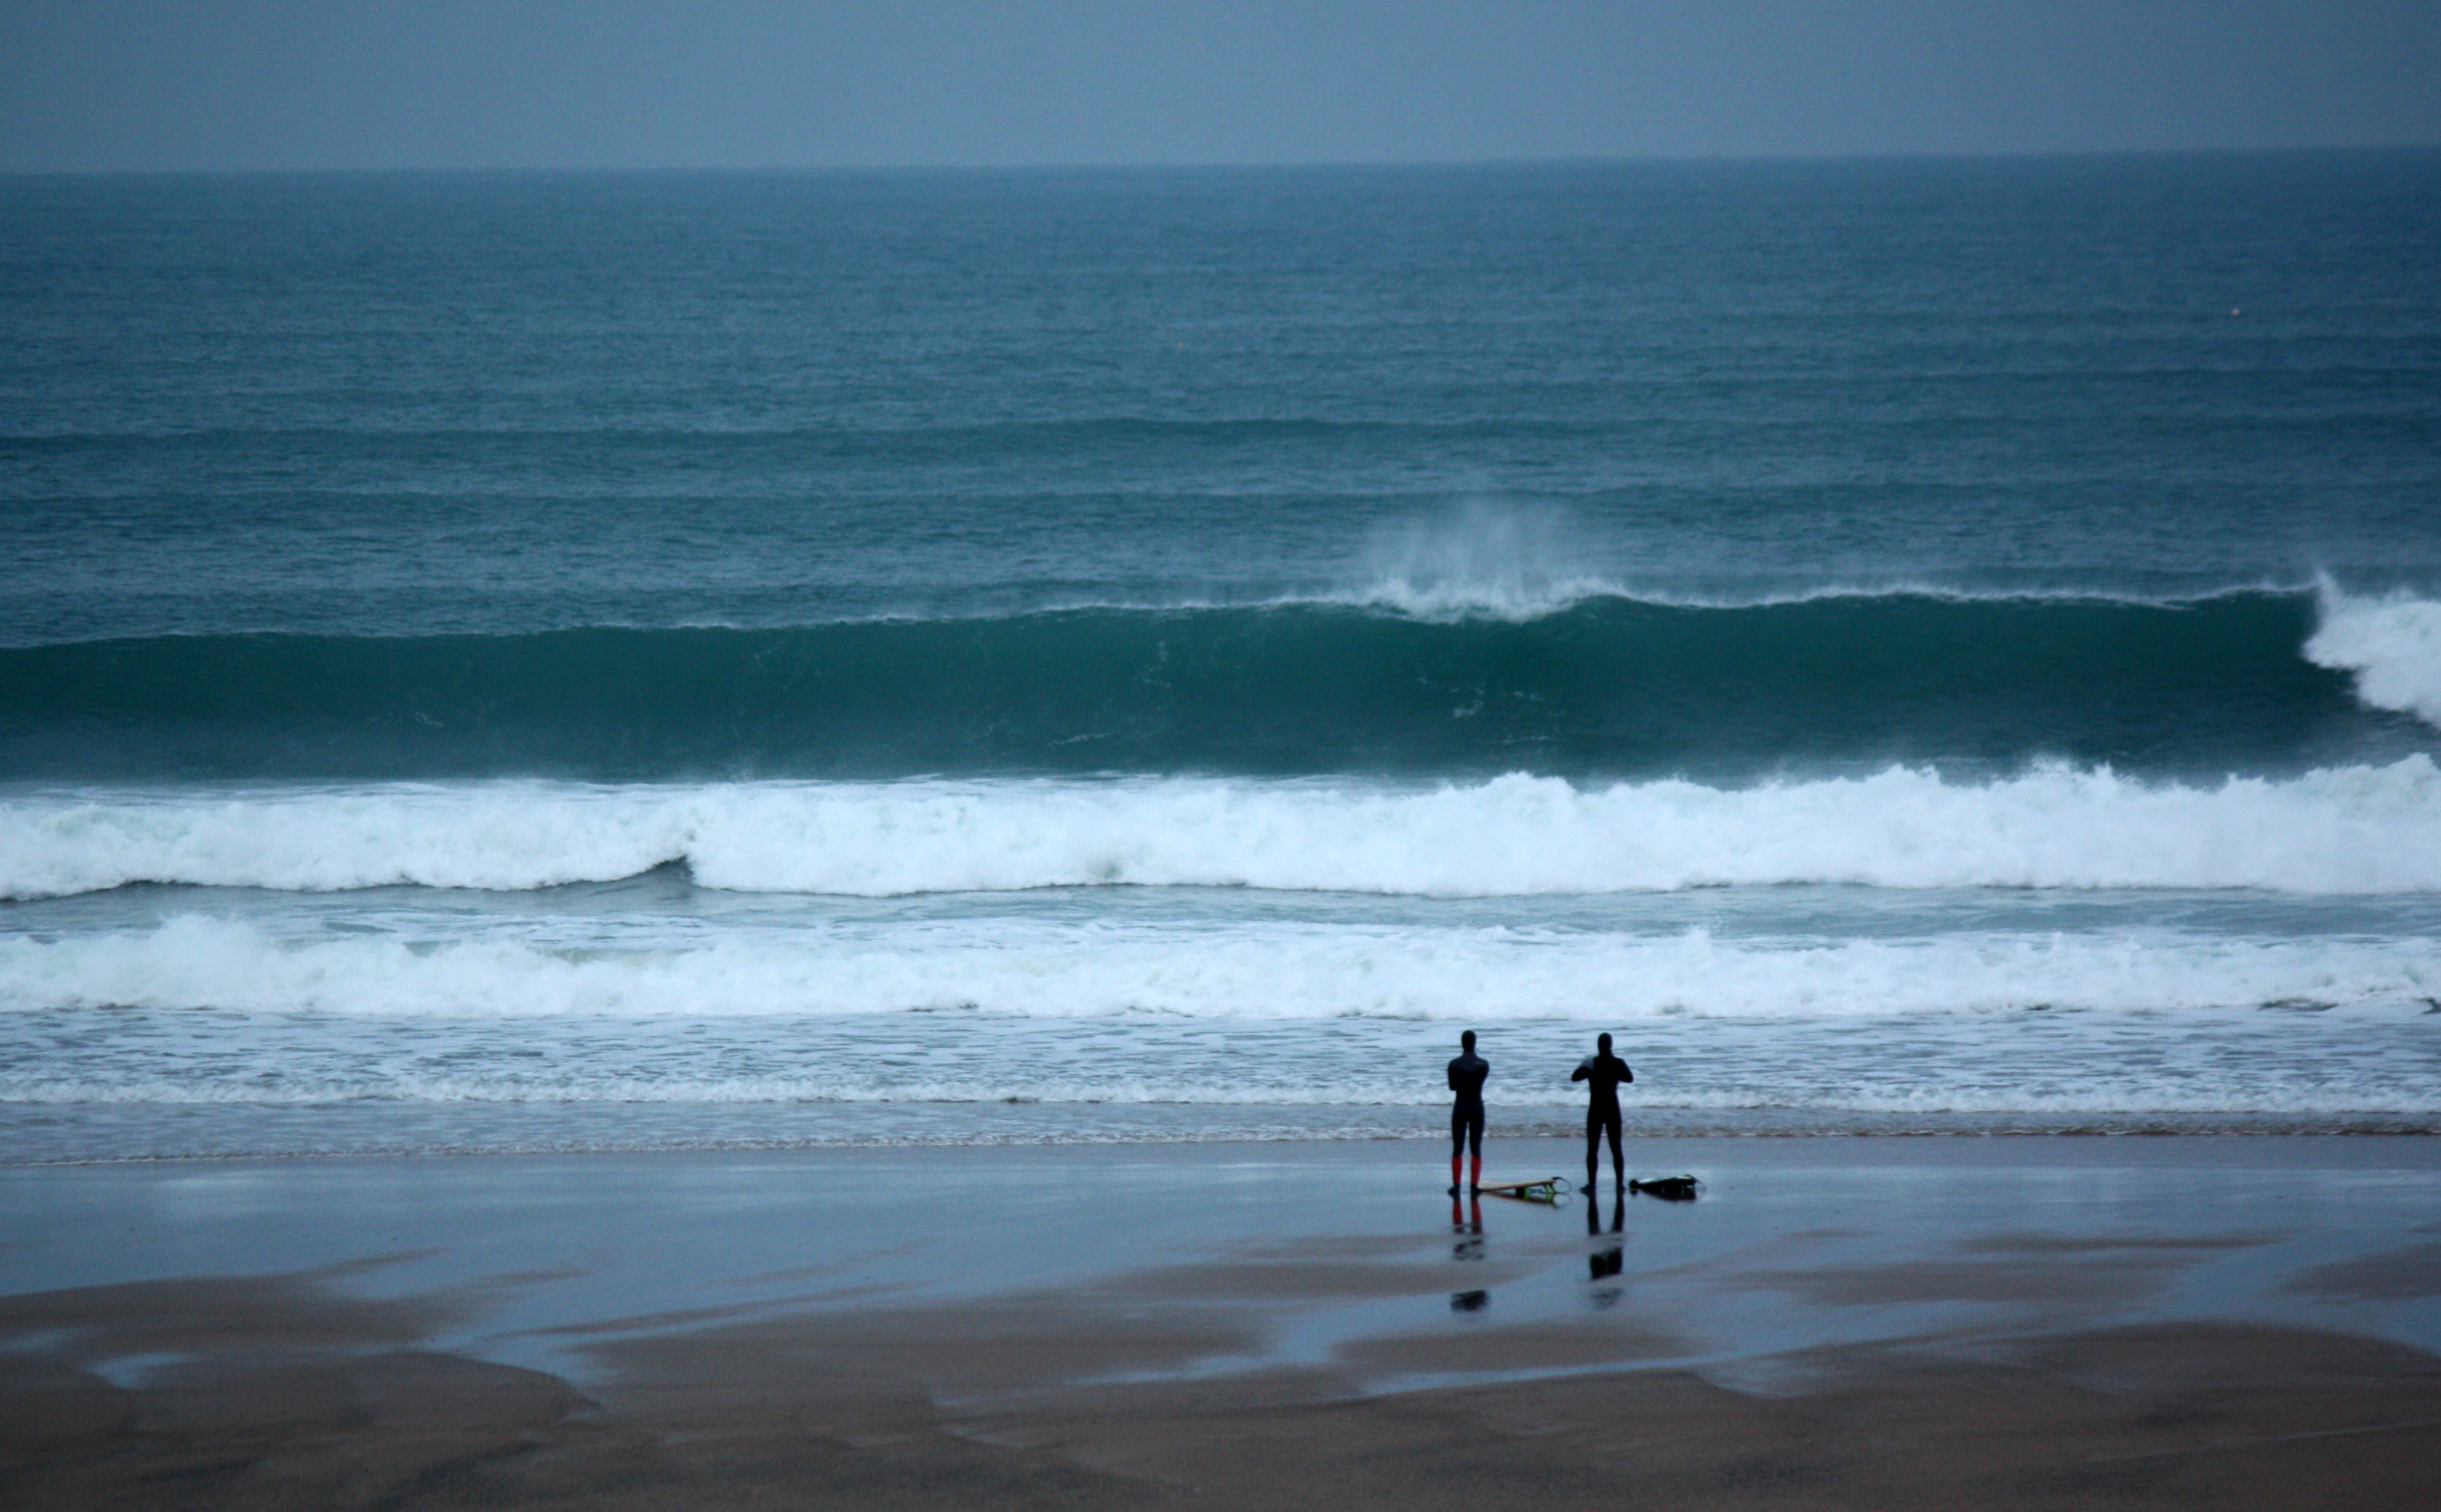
2343,830
1153,975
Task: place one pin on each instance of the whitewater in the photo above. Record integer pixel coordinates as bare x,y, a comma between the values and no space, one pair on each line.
1184,966
2355,829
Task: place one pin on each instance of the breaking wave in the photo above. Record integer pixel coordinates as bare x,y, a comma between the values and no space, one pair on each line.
1429,676
2347,830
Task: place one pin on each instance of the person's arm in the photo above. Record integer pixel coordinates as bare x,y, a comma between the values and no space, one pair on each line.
1453,1076
1584,1070
1625,1075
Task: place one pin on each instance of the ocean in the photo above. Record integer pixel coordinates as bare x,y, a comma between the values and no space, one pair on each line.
635,661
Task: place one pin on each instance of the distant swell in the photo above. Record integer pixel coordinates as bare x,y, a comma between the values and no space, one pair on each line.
1603,687
2354,829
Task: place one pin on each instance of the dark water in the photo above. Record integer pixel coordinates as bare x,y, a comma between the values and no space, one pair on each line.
1967,531
1602,687
398,404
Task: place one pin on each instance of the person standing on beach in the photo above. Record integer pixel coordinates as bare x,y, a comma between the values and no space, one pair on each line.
1605,1070
1467,1074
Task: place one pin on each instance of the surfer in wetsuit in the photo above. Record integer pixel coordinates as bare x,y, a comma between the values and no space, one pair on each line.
1467,1074
1605,1070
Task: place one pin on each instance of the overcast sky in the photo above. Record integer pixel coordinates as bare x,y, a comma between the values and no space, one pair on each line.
149,84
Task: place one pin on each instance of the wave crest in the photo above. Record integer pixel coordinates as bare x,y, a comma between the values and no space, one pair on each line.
2393,646
1457,675
2343,830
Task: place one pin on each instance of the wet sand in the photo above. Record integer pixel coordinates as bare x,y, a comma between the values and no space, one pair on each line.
1834,1323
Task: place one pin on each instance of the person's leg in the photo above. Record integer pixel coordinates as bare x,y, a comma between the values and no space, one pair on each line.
1619,1167
1593,1147
1475,1138
1457,1144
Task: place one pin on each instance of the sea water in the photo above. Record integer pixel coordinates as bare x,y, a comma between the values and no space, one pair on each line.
630,661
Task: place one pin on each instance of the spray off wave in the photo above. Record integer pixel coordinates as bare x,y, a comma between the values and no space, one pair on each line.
2393,646
2348,830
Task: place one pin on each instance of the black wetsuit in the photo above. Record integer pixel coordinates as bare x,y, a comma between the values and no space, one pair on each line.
1606,1072
1467,1074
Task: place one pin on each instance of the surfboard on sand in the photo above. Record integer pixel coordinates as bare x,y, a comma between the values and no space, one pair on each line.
1546,1189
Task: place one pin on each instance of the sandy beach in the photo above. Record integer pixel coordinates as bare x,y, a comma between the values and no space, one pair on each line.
2036,1322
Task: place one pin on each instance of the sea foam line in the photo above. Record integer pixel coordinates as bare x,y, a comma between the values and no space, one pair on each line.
2220,1095
2341,830
1277,972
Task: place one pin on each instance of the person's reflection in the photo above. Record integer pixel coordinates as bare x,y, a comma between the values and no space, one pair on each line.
1606,1260
1467,1224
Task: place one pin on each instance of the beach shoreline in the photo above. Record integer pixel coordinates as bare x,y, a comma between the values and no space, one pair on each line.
1892,1322
106,1133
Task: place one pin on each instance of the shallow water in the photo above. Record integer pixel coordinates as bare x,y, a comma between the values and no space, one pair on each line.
1792,1244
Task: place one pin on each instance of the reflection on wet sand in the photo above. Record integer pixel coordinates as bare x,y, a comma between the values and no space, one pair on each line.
1467,1224
1606,1260
1921,1324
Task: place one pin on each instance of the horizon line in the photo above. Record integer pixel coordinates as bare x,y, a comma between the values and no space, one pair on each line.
1242,165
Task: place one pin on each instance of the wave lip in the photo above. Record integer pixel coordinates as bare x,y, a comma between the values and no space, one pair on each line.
2393,646
2343,830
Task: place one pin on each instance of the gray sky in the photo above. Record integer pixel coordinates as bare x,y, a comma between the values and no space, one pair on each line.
106,84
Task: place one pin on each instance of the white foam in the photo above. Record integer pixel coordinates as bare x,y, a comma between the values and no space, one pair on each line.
1270,971
496,835
1481,560
1517,601
1242,1016
2344,830
2404,1096
1509,560
2393,644
1522,599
